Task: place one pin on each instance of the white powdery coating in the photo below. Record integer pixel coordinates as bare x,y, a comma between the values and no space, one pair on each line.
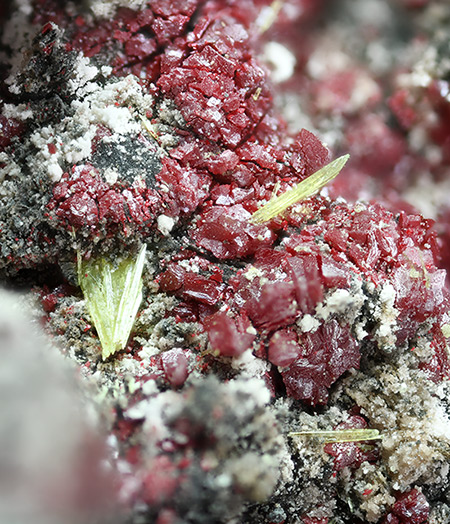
327,54
253,393
423,72
339,302
253,272
281,61
250,366
54,171
107,8
364,90
19,111
116,105
386,315
116,118
111,175
439,424
399,402
83,74
190,265
387,295
11,170
155,411
165,224
373,492
360,308
308,324
79,148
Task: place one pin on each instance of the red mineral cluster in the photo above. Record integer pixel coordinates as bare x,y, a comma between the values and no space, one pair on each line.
169,123
232,150
338,247
410,508
83,200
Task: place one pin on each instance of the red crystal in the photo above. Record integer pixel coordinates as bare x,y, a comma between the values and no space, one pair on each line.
172,279
139,46
227,233
273,307
175,366
166,30
402,107
83,199
326,355
305,272
187,188
201,289
438,365
9,128
410,508
314,154
283,348
226,336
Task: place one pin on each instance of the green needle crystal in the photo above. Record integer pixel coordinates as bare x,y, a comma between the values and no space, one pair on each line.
113,294
304,189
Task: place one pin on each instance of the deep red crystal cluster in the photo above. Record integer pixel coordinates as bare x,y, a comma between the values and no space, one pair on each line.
330,289
411,507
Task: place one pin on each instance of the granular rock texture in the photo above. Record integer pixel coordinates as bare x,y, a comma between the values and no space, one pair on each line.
169,123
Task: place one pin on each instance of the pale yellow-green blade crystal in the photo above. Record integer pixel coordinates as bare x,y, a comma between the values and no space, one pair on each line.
340,435
113,294
269,15
304,189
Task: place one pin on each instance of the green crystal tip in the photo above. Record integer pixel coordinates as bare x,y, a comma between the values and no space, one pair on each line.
113,294
340,435
299,192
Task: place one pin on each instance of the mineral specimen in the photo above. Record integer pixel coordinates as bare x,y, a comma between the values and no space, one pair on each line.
215,337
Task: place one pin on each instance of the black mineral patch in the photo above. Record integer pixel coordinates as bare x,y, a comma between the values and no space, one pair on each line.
131,158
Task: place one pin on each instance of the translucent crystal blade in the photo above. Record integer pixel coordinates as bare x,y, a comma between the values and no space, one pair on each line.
304,189
113,294
341,435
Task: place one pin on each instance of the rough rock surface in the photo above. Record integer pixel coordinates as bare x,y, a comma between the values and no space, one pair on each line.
169,123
